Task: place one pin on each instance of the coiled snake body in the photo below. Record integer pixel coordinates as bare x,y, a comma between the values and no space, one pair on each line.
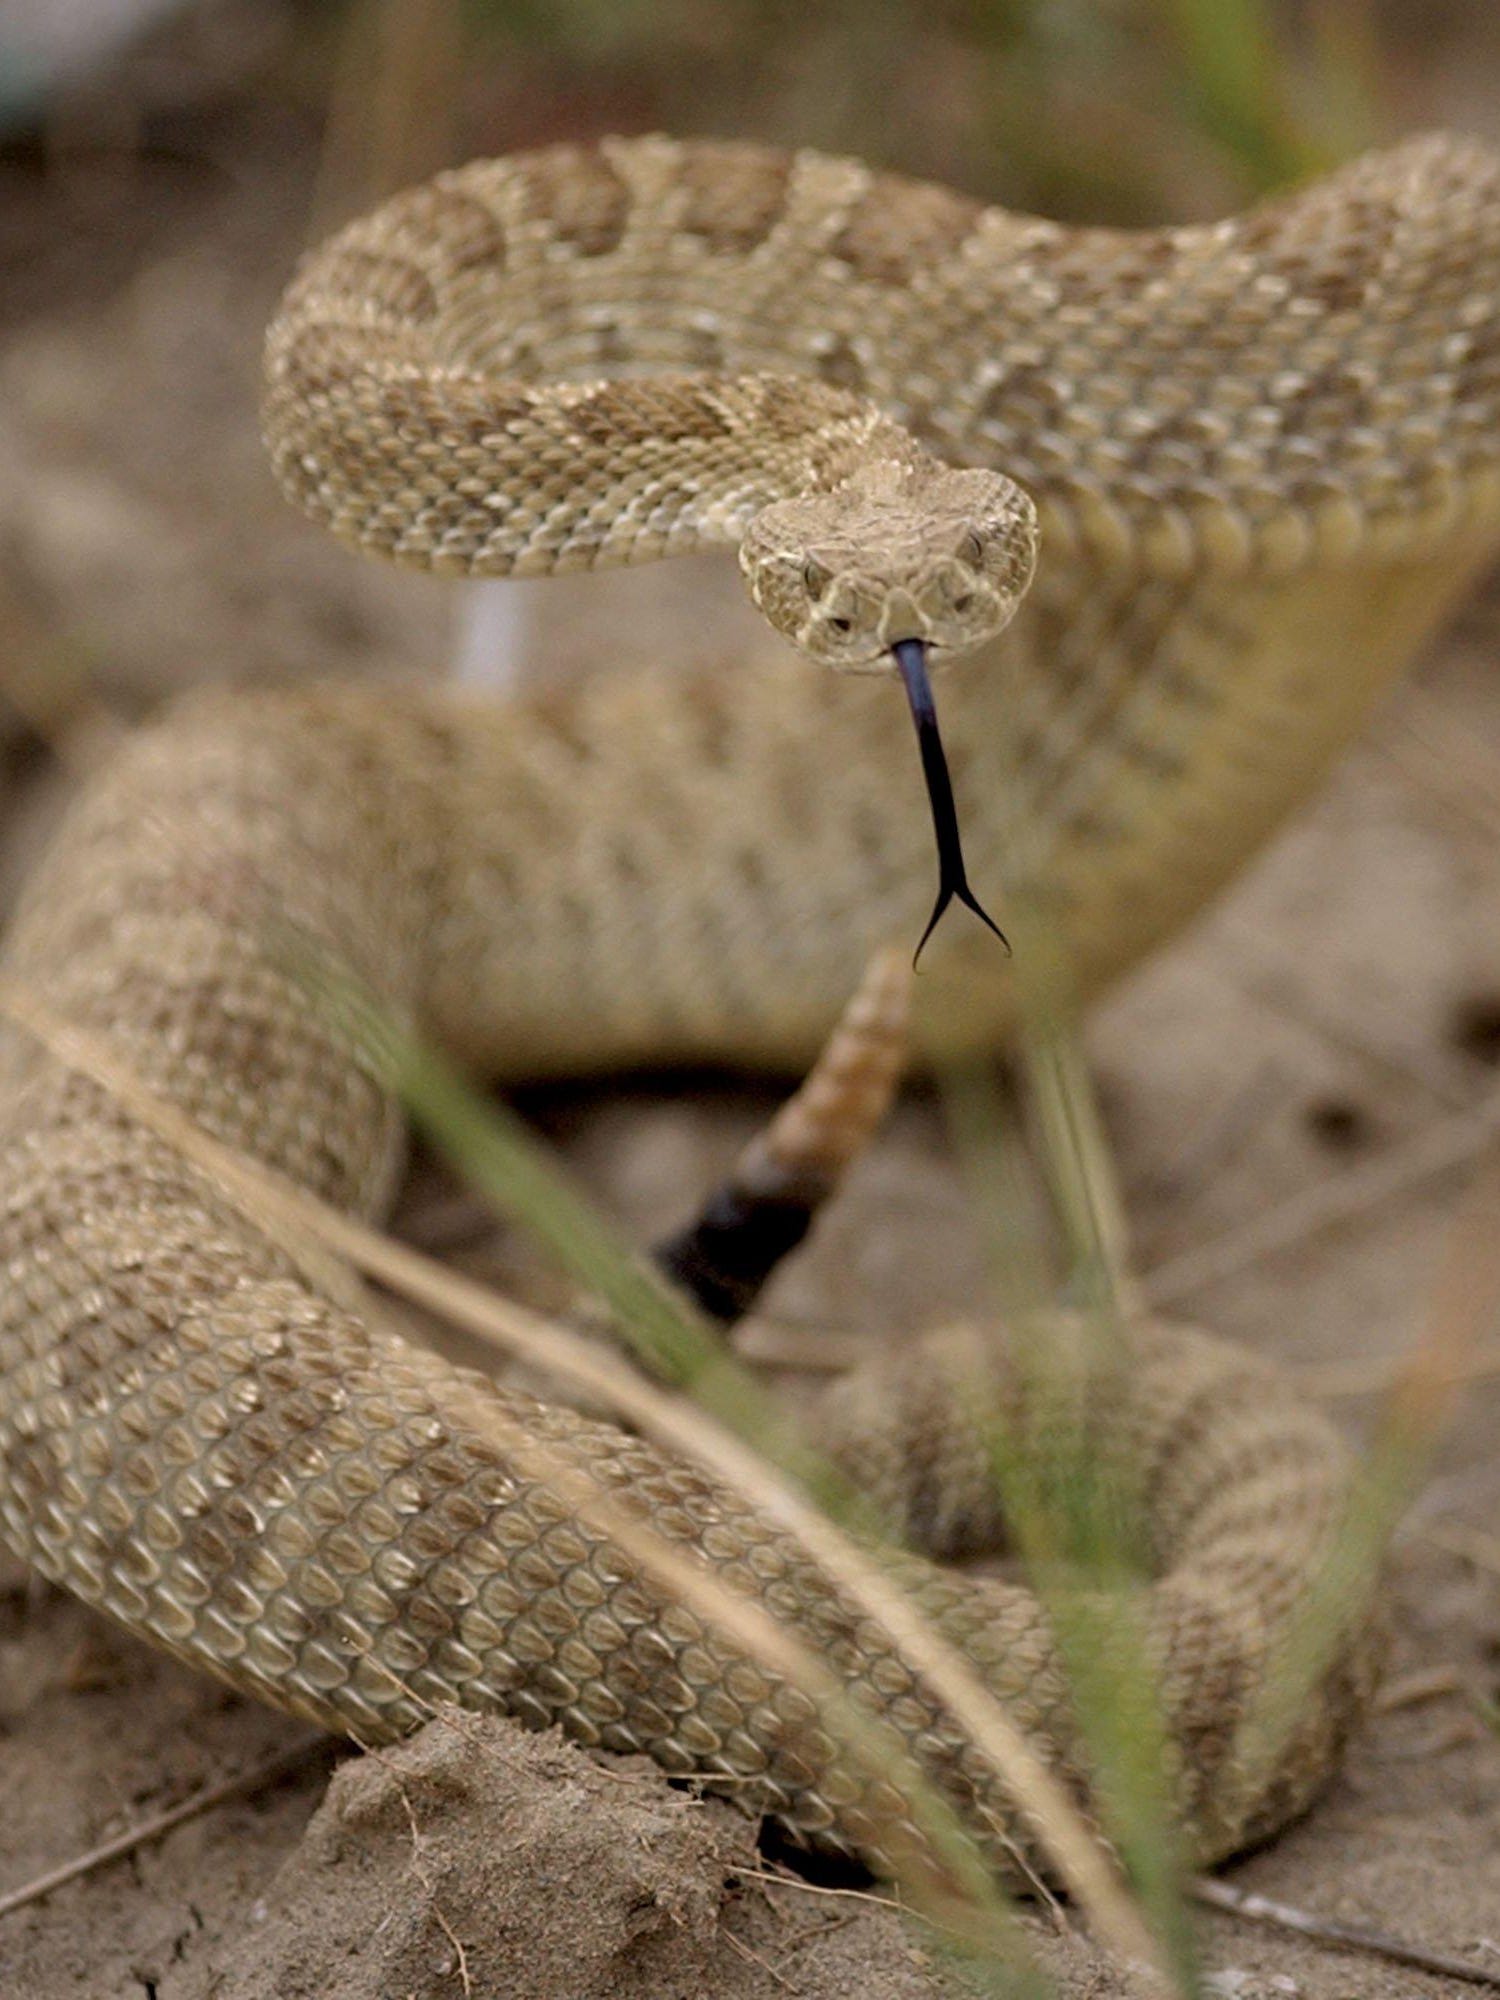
1264,456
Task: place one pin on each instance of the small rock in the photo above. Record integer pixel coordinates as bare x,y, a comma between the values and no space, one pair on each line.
1242,1983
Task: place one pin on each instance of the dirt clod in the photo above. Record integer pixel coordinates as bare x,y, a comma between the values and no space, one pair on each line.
478,1859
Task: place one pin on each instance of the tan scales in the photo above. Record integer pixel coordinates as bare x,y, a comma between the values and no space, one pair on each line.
1263,456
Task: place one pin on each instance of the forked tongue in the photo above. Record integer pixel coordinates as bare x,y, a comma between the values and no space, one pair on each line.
911,658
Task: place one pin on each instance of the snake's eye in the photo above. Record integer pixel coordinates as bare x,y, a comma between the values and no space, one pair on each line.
971,550
815,577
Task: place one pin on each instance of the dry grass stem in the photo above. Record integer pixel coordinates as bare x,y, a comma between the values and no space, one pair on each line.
1464,1308
1344,1937
1464,1302
1081,1863
1430,1684
871,1743
392,108
1451,1142
754,1958
771,1341
1055,1220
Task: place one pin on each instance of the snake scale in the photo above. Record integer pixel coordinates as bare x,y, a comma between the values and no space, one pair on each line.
1264,456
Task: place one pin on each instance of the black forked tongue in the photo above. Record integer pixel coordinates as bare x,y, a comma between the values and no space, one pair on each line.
911,658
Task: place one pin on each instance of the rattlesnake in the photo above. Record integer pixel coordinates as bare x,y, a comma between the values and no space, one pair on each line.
1264,456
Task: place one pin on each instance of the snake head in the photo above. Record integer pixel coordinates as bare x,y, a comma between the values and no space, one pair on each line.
895,552
898,563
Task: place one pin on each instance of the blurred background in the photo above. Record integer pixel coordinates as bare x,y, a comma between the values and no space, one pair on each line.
1295,1091
162,161
1108,109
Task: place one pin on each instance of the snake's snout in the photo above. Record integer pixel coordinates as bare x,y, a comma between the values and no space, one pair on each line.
895,552
900,562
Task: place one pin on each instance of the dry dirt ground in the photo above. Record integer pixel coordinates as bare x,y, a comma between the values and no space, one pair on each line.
1333,1027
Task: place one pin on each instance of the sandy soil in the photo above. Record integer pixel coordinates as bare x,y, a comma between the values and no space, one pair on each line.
1339,1010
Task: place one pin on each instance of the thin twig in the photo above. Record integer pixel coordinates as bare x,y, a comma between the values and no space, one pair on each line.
816,1931
803,1887
755,1958
1235,1902
1464,1299
1451,764
1460,1538
242,1785
1429,1684
1082,1863
1052,1913
1451,1142
1256,1909
771,1340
